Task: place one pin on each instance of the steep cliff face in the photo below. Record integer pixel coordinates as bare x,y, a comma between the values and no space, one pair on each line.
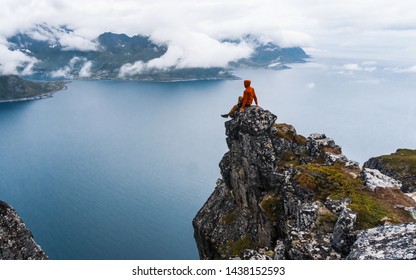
284,196
16,241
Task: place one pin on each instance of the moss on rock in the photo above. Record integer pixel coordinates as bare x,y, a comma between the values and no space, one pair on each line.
336,183
402,161
229,218
272,207
235,248
326,220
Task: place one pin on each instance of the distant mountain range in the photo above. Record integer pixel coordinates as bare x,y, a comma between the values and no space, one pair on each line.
110,55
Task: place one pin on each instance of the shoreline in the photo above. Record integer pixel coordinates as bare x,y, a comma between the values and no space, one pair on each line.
36,97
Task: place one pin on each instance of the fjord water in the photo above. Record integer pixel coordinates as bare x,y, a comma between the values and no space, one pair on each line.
117,170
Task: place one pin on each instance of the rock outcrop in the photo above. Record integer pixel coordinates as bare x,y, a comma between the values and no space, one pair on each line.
400,165
16,241
285,196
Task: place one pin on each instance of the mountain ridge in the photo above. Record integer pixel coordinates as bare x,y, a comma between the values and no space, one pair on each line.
123,57
14,88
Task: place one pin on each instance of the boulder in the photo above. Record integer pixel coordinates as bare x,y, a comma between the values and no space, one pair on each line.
391,242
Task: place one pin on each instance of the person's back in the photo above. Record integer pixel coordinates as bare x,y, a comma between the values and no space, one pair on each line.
249,95
243,101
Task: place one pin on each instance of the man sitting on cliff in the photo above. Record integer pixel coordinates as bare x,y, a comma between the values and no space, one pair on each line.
244,101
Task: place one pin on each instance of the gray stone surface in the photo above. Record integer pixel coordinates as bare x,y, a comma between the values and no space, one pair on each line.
391,242
373,178
344,231
16,241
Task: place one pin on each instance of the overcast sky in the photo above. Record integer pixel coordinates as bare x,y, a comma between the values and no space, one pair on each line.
369,29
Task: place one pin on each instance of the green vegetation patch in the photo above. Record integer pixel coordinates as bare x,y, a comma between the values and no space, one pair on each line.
403,160
272,207
236,248
229,218
334,182
326,220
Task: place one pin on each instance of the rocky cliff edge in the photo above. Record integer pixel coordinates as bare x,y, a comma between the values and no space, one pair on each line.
16,241
285,196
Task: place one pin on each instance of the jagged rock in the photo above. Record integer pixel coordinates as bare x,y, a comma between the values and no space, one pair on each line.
307,214
336,206
312,245
344,232
279,250
316,143
254,255
16,241
375,179
254,121
300,196
319,145
391,242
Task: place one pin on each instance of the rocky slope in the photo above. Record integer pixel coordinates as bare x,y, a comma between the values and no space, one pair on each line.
16,241
285,196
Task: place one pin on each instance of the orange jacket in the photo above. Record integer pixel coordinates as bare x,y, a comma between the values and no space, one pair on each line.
249,94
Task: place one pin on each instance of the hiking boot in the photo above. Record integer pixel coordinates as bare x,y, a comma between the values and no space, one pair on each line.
224,116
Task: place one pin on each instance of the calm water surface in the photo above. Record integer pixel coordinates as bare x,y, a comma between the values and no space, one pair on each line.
117,170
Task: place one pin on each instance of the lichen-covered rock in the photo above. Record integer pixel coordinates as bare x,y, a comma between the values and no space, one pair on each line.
373,178
319,145
250,254
344,231
255,121
16,241
391,242
310,245
299,196
279,250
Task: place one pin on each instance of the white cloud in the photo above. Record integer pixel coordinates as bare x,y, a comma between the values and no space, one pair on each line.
191,50
371,29
129,69
411,69
311,85
71,70
193,30
85,71
73,42
351,67
11,61
198,50
354,67
62,73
